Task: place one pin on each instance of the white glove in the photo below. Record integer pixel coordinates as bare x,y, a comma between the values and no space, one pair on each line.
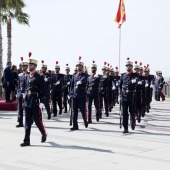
58,82
133,81
117,84
113,88
68,83
151,86
23,95
46,79
139,82
146,85
78,82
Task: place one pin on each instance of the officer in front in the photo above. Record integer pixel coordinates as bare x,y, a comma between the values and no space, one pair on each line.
35,90
128,82
78,95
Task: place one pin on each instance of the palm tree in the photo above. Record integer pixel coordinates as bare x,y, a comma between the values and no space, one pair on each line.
13,10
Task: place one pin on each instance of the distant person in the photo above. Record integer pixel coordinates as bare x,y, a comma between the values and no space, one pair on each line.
14,86
8,82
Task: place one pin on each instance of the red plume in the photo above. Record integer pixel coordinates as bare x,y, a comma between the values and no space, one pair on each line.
22,58
108,64
67,65
144,66
42,61
128,58
29,54
105,63
116,67
93,61
147,65
79,57
140,63
56,62
136,62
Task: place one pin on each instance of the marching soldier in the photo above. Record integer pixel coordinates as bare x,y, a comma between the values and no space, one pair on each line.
78,95
149,84
93,93
128,82
35,90
103,90
57,86
21,91
116,80
47,79
66,87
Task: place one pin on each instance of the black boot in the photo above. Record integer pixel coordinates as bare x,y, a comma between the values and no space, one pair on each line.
19,125
55,115
49,116
60,112
125,131
74,128
44,138
86,124
25,144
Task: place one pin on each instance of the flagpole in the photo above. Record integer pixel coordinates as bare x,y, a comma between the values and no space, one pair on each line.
119,47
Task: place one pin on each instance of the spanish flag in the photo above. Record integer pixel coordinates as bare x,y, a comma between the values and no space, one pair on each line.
121,14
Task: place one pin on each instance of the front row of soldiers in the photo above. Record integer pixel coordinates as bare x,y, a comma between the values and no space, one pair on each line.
133,87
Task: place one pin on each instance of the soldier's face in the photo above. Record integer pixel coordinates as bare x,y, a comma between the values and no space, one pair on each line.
112,73
43,69
141,71
136,70
24,68
129,68
57,70
146,73
104,71
67,71
79,68
93,69
117,73
32,67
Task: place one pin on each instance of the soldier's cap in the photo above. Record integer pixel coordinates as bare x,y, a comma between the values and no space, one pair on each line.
67,67
32,61
80,62
136,66
43,65
116,70
141,68
104,67
146,68
93,64
57,66
23,63
108,67
128,62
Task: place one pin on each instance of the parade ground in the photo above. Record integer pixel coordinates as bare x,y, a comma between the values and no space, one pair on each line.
101,146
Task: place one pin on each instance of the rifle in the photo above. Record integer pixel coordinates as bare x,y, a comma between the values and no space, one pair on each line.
120,113
71,113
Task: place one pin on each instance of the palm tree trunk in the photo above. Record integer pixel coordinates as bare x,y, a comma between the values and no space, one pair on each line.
1,50
9,30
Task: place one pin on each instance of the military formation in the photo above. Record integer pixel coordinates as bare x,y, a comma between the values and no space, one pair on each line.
75,93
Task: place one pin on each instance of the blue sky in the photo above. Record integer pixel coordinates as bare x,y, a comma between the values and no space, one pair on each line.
62,30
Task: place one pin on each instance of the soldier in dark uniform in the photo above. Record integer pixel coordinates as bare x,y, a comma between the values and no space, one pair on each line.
66,87
113,87
78,95
21,91
93,92
8,82
75,70
47,79
149,84
116,80
139,93
128,82
103,90
57,87
35,90
161,83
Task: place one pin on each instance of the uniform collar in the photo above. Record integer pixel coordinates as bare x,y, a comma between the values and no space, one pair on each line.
33,73
129,73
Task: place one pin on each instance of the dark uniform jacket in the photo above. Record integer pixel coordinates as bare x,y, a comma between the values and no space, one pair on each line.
93,85
35,90
104,84
78,85
54,79
126,86
8,77
66,83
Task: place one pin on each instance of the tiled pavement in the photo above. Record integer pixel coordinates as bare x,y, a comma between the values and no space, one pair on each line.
102,146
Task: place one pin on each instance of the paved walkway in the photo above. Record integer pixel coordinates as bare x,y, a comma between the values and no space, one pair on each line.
100,147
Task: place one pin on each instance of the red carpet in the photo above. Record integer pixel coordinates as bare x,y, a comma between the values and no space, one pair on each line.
8,106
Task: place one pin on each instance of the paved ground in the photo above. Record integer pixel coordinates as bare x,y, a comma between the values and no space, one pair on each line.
100,147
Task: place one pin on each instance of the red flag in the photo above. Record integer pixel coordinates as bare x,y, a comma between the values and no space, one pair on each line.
121,14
